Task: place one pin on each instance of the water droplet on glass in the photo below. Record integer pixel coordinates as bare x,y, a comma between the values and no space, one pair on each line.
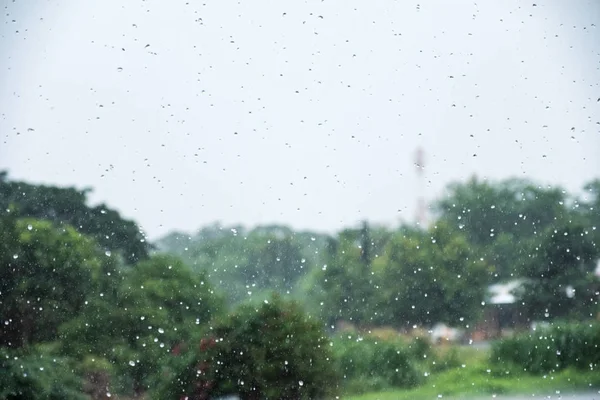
29,227
107,253
301,383
132,363
15,256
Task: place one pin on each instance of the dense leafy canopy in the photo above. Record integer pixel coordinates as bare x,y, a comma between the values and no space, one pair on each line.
84,307
270,352
47,273
68,206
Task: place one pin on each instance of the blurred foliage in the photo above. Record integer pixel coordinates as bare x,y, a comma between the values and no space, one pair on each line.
560,281
431,276
270,352
86,309
47,272
68,206
498,216
245,263
369,364
35,374
159,303
551,349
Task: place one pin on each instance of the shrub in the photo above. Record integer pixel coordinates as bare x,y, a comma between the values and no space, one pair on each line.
37,375
551,349
371,364
447,359
270,352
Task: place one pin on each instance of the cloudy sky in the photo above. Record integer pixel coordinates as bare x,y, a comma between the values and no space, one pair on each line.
306,113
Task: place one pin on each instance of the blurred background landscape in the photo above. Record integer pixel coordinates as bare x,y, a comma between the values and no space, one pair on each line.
294,201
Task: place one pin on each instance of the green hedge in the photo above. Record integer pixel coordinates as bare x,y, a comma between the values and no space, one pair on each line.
368,364
551,349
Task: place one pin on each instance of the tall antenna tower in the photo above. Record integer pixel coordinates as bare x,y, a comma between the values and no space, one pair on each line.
420,166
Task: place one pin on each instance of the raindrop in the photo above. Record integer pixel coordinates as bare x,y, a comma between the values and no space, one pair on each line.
301,383
107,253
15,256
29,227
132,363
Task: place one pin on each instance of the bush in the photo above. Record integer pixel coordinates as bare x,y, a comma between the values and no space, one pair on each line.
270,352
551,349
37,375
368,364
447,359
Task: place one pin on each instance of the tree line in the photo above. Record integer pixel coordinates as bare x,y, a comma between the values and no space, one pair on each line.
86,298
482,233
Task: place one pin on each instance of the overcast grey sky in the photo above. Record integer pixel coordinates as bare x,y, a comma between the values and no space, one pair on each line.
305,113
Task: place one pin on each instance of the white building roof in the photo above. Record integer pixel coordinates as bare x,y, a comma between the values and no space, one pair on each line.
502,293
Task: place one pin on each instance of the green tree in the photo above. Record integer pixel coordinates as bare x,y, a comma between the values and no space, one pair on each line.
591,208
431,276
47,273
159,303
37,375
68,206
271,352
346,285
560,281
246,264
495,214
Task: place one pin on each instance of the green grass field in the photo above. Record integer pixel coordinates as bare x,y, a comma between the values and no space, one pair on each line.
473,381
